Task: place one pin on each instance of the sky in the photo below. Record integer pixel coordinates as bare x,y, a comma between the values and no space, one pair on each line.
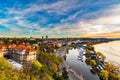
60,18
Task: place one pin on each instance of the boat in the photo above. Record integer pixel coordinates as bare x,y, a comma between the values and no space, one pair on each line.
80,59
92,71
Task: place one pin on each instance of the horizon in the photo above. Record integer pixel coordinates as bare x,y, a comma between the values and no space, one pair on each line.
59,37
60,19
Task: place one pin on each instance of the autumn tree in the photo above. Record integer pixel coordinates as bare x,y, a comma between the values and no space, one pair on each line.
104,75
87,53
99,54
92,62
89,47
36,65
4,64
111,68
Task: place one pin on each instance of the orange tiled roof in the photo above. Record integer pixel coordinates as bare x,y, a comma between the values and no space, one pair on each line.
12,45
21,46
2,46
30,50
25,47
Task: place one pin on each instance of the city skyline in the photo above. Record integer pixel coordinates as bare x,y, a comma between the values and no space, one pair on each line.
60,18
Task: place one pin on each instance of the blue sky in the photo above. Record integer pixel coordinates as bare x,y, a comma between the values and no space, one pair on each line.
58,18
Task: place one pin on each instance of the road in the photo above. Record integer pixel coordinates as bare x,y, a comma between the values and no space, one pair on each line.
73,75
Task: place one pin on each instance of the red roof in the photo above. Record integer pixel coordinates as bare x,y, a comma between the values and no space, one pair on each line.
30,50
21,46
25,47
12,46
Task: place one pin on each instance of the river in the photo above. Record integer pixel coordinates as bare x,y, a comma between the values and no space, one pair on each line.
111,50
71,73
78,66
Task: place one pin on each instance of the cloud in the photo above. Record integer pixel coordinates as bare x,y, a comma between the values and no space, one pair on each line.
21,15
72,17
108,22
59,7
63,17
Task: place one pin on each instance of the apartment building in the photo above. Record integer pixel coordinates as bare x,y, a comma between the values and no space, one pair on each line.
21,53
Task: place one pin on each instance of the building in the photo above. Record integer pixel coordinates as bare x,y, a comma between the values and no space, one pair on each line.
3,50
21,53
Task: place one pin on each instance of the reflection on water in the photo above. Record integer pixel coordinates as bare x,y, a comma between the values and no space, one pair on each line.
78,66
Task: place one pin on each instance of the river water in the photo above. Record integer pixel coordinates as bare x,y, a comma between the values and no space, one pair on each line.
111,50
78,66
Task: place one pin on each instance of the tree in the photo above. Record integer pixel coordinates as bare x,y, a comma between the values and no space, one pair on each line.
114,76
37,65
53,68
117,77
4,64
104,75
27,77
90,47
65,75
92,62
111,68
49,77
99,54
56,76
87,53
2,76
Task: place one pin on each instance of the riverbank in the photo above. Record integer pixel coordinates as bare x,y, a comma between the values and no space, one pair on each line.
104,68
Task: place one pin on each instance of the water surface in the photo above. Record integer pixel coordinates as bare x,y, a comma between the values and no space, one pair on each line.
111,50
78,66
